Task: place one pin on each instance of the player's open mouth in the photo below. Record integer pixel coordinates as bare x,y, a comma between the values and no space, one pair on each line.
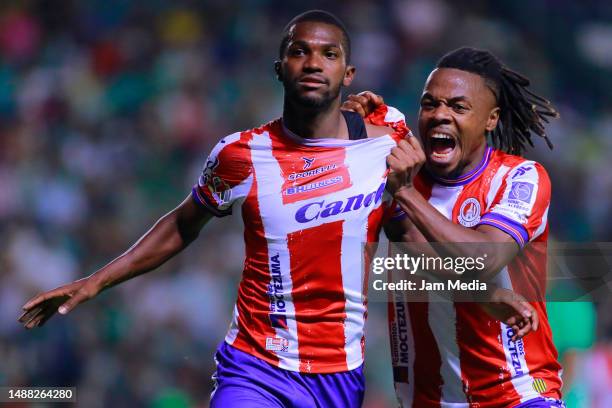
442,145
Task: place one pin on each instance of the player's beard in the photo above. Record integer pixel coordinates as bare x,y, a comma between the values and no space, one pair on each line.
319,101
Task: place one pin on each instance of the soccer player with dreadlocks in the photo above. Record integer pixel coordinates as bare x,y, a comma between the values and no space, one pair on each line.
469,184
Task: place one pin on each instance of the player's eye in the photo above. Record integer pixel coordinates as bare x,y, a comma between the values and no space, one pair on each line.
297,52
427,104
331,54
460,108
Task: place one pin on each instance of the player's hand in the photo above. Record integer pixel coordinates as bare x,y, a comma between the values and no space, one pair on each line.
404,162
513,310
363,103
41,307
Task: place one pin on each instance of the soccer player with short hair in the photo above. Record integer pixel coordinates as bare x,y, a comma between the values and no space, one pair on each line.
457,188
311,187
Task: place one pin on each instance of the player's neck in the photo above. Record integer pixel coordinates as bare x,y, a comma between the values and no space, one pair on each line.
315,123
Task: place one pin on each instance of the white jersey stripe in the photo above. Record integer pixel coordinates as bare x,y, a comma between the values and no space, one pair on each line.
267,167
352,282
496,184
230,337
519,371
351,258
442,316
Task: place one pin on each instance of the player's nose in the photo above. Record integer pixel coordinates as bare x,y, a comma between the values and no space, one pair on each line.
441,113
313,63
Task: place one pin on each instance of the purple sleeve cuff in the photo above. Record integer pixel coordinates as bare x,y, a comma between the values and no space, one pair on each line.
204,202
509,226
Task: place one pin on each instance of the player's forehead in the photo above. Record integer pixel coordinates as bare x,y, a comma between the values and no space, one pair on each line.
449,83
315,33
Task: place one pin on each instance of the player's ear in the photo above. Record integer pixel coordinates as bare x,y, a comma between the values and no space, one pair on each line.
492,119
278,70
349,75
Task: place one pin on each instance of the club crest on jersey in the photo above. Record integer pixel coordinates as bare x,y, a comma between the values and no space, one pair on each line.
211,164
469,213
308,162
221,191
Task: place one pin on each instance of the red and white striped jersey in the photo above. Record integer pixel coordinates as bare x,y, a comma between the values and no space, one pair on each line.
308,207
449,354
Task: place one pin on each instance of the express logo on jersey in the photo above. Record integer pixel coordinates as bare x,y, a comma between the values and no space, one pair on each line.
321,209
521,191
469,213
313,186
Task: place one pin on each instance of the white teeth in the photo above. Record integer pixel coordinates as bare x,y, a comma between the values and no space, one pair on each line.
441,136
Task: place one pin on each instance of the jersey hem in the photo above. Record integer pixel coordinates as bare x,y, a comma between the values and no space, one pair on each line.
329,369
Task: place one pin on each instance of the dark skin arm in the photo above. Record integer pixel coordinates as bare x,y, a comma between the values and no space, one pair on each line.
170,235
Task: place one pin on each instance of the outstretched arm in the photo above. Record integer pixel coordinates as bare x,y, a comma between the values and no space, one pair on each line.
169,236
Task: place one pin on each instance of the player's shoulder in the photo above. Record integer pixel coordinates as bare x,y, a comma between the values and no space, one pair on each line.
243,138
519,166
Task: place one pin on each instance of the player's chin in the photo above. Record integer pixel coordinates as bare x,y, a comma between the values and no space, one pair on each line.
445,161
313,99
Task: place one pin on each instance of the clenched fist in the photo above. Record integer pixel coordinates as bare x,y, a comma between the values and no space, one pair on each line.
404,162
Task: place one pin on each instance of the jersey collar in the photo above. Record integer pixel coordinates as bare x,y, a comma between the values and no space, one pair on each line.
468,177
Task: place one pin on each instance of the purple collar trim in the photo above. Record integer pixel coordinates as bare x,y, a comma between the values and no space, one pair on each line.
466,178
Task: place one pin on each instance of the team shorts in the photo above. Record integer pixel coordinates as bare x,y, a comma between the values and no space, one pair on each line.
245,381
542,402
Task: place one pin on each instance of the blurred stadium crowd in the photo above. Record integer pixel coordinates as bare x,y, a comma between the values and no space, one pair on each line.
109,107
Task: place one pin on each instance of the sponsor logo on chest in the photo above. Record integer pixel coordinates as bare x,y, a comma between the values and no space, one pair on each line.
324,209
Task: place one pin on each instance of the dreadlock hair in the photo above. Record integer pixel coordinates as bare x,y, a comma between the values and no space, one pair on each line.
319,16
521,111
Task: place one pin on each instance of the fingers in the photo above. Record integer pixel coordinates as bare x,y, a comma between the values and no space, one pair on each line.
407,155
29,314
37,316
527,321
416,147
374,100
79,297
363,102
65,290
38,299
354,106
524,328
535,319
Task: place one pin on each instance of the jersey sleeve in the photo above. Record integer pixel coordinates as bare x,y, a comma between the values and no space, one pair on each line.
520,207
226,177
